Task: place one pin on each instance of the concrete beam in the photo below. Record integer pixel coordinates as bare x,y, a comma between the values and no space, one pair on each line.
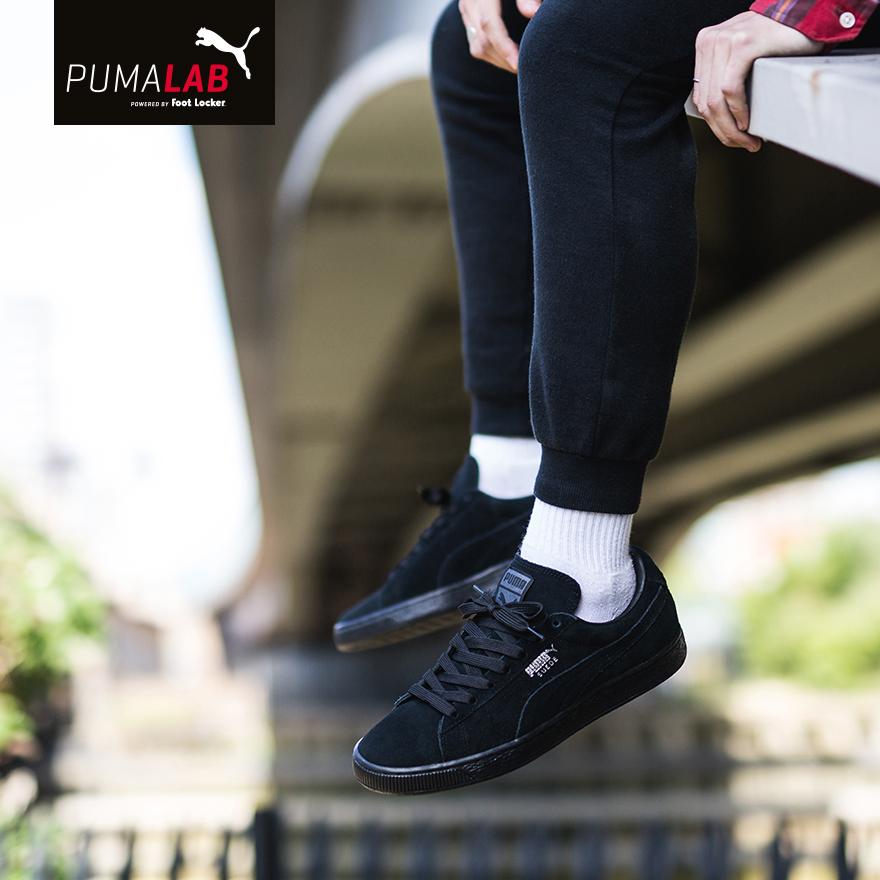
791,447
832,290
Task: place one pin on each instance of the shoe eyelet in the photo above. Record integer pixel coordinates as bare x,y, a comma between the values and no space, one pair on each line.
472,701
505,668
556,623
454,714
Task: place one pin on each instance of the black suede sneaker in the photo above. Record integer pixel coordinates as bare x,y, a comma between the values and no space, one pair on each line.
521,676
471,542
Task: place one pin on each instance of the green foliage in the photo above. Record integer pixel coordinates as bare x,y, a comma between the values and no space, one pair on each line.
46,604
818,622
28,850
14,723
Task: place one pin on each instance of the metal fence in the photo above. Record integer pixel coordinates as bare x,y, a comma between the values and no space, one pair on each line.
532,850
540,851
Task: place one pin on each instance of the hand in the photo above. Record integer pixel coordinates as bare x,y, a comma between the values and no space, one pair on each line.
725,54
487,35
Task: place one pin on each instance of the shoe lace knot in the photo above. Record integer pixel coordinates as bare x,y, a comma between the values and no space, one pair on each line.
492,634
436,496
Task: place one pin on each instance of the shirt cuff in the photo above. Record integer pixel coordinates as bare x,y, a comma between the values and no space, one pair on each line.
827,21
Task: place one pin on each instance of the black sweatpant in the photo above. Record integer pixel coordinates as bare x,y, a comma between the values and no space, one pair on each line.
571,189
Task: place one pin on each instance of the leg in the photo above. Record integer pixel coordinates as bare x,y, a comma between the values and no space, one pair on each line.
478,111
484,516
611,168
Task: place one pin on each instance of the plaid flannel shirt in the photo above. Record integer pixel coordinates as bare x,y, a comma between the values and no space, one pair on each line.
828,21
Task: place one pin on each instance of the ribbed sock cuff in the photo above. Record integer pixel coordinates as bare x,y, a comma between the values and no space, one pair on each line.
595,484
576,541
501,416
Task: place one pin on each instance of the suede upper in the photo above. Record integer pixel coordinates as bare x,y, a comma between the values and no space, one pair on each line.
473,532
571,659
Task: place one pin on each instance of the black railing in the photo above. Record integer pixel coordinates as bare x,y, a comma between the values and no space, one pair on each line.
532,850
585,856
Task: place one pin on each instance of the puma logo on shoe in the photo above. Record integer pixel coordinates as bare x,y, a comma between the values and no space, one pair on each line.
210,38
512,587
542,663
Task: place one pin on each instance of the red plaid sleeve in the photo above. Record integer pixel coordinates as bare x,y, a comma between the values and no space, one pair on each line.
828,21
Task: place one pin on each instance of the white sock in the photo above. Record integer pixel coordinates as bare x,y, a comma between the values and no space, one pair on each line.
508,465
592,548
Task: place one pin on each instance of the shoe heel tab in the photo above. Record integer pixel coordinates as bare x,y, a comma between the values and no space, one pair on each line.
641,558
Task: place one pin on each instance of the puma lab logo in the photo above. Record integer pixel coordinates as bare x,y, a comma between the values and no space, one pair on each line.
210,38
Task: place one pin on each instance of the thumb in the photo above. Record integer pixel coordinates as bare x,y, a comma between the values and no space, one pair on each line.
528,7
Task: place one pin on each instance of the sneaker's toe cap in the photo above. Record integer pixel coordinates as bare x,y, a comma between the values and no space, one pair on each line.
373,602
406,737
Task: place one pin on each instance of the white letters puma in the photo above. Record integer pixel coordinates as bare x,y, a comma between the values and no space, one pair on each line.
542,663
210,38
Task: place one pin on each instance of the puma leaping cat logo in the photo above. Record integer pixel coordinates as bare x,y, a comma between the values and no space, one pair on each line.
210,38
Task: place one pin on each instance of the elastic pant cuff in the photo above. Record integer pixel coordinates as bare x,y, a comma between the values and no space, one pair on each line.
501,416
594,484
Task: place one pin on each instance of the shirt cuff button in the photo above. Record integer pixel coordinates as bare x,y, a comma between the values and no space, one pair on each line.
847,20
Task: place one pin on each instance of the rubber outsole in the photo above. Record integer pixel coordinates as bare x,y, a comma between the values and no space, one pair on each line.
413,617
510,756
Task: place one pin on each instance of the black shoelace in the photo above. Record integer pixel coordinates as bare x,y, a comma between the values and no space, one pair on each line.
491,634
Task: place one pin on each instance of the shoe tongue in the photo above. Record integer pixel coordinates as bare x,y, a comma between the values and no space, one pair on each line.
525,581
466,477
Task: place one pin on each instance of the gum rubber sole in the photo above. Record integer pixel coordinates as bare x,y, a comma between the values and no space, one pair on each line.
413,617
514,754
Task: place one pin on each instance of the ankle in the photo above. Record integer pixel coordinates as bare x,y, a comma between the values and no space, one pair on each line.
592,548
507,465
591,542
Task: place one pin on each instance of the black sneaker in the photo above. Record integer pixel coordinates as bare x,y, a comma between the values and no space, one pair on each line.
521,676
471,542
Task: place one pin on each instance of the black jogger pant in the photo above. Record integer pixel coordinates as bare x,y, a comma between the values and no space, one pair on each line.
571,190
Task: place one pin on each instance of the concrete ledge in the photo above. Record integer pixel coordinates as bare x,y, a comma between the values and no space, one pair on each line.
826,107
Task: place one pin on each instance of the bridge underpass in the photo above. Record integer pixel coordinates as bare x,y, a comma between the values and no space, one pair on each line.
334,241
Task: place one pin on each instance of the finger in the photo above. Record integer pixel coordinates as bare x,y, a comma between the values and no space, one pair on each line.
502,45
479,44
726,75
491,56
468,21
478,41
715,62
732,135
700,68
719,117
730,81
734,89
528,8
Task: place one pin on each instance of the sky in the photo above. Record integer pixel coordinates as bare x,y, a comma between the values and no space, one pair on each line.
123,429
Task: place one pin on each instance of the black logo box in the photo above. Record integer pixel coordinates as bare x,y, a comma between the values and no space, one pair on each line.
162,33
